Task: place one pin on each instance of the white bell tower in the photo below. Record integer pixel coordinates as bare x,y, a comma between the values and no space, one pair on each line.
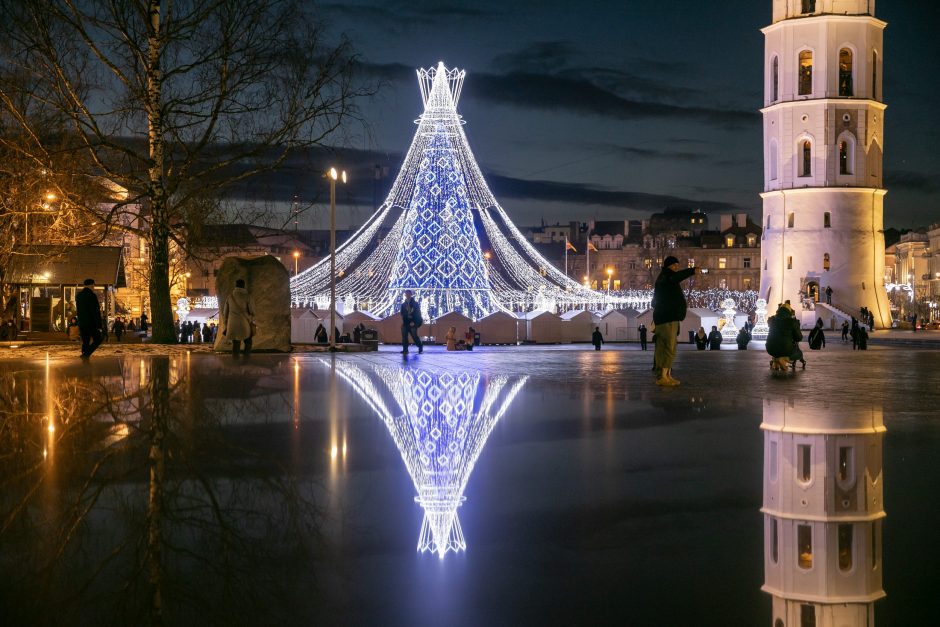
823,120
823,508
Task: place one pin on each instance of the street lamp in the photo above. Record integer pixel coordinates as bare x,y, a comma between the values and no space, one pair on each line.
296,258
610,273
333,176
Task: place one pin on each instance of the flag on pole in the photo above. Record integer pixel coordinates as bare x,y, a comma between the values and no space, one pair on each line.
570,246
591,246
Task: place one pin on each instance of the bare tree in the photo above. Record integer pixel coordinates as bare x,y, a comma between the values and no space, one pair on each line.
172,100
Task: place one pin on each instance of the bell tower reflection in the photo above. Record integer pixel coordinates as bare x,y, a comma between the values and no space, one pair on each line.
823,508
440,421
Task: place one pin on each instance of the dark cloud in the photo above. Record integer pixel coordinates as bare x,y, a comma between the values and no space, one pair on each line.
573,95
402,15
908,180
551,191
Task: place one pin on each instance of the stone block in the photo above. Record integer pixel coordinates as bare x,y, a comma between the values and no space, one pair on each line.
268,283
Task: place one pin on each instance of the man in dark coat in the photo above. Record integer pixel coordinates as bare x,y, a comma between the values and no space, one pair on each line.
669,308
410,322
714,339
597,339
89,318
783,337
643,337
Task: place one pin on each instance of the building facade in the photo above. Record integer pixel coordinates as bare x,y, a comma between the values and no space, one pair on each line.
823,120
823,509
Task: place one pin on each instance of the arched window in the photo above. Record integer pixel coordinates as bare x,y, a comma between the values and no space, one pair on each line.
789,263
845,547
806,73
874,75
774,70
774,541
790,218
826,262
845,73
809,6
827,220
806,161
773,159
846,154
804,546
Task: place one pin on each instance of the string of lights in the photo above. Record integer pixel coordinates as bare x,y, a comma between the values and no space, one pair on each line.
428,235
440,426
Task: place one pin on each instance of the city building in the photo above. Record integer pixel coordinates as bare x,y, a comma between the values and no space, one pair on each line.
823,508
933,265
823,121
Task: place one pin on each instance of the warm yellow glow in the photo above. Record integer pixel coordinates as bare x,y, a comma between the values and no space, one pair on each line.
50,196
334,452
344,177
610,271
487,254
344,448
189,274
296,254
333,174
51,428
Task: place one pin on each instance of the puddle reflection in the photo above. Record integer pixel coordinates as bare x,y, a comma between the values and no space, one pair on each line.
823,508
440,422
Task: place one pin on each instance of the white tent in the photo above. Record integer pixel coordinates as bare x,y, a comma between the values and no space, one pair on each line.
620,325
438,328
577,326
303,324
499,328
694,319
353,318
390,329
542,327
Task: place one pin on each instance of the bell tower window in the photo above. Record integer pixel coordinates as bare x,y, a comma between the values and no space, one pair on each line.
874,75
809,6
806,161
775,67
845,73
806,73
826,262
827,220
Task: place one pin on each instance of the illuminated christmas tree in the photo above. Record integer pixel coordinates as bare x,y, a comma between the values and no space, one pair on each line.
430,234
440,425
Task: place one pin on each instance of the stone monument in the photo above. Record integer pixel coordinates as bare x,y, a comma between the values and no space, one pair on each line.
268,283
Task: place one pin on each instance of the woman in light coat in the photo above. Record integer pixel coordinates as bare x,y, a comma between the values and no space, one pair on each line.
238,316
451,338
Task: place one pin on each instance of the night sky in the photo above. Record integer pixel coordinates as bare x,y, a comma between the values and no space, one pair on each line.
613,110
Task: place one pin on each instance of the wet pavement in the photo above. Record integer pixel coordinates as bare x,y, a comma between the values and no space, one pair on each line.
513,486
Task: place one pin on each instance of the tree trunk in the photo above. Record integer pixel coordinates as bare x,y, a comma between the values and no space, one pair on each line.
159,421
161,309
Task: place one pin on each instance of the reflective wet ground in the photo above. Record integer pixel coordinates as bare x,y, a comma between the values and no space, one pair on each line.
502,487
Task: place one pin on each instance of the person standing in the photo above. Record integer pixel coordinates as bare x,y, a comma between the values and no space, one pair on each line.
669,309
237,315
845,331
89,318
714,339
853,332
597,339
828,294
118,328
701,339
817,339
143,323
643,337
410,322
744,336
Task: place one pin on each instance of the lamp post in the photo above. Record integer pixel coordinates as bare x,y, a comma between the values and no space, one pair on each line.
296,258
333,176
610,273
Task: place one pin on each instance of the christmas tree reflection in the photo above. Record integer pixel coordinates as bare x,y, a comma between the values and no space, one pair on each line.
439,421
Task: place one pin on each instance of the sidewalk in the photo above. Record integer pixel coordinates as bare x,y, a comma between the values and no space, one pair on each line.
897,337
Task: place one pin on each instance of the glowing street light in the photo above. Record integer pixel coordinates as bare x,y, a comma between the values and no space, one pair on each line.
333,176
296,258
610,273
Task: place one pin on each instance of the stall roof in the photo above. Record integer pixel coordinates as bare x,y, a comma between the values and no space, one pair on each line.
66,265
